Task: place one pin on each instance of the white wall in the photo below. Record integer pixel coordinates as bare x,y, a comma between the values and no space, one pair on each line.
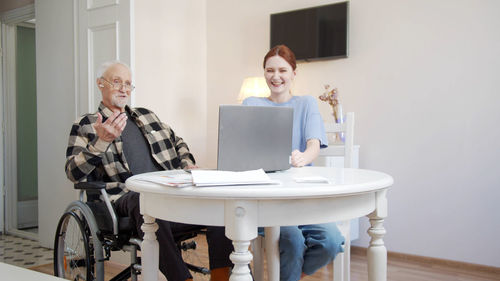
171,67
422,77
56,111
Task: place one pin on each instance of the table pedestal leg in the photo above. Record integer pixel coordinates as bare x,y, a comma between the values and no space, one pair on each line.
376,253
258,257
241,258
240,218
150,250
273,252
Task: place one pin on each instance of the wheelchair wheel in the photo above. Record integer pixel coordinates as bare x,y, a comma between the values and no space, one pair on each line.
73,255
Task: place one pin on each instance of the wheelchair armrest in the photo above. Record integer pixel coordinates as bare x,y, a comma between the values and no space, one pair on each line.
99,187
93,185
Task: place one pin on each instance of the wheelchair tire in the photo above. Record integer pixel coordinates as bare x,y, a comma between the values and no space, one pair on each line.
73,256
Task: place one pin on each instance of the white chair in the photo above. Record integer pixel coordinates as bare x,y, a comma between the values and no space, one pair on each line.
270,244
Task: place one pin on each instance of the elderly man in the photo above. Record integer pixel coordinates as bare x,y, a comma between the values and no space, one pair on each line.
117,142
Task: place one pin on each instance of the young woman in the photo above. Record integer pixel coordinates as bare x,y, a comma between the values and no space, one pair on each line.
304,248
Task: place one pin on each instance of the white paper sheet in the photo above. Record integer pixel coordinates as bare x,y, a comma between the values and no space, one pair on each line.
311,179
213,177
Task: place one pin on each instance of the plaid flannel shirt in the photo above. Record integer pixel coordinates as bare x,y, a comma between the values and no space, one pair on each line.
89,158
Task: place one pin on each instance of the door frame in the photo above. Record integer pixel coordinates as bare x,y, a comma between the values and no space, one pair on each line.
9,21
2,124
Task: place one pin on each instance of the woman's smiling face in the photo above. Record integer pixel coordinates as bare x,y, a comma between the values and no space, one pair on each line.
279,75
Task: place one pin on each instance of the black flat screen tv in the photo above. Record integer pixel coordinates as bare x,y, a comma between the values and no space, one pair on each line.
313,33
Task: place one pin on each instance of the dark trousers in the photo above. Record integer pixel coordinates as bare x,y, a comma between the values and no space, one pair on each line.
171,263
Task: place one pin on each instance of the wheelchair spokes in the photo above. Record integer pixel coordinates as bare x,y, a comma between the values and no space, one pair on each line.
73,249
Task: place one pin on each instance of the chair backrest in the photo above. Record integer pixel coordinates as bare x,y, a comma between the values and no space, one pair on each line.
347,127
342,262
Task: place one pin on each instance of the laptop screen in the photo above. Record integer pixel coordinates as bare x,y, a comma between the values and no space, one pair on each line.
254,137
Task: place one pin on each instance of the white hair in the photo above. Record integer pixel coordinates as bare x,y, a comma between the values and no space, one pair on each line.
106,65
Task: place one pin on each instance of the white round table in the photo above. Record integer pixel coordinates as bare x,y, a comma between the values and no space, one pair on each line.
351,193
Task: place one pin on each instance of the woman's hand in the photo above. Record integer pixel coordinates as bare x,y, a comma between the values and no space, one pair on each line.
300,159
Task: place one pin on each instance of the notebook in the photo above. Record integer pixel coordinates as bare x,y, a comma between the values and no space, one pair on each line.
254,137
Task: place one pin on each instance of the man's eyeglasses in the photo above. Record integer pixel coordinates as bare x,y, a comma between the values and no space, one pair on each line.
118,85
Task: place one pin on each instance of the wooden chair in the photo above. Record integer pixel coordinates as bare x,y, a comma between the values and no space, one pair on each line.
270,242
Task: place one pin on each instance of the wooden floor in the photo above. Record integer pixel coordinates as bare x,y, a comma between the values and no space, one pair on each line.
398,269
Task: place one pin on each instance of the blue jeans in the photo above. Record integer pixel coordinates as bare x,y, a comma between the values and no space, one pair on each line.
307,248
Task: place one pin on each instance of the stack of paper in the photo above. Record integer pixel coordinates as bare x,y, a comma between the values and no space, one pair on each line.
180,179
213,178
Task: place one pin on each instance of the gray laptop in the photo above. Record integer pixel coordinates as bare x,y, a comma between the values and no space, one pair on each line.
254,137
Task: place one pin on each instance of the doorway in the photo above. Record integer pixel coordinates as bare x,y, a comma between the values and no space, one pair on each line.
26,129
19,108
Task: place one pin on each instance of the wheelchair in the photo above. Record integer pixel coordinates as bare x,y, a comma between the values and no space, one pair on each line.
90,230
